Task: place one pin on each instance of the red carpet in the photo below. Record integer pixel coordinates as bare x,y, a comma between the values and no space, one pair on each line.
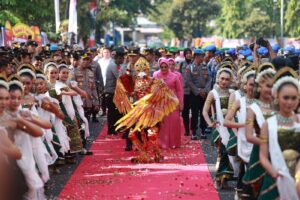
108,174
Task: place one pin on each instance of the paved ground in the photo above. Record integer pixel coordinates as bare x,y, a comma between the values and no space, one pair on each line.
58,181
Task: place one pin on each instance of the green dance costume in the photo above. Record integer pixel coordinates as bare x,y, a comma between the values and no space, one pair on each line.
255,172
224,170
288,139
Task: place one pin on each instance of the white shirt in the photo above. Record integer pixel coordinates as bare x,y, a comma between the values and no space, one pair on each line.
103,62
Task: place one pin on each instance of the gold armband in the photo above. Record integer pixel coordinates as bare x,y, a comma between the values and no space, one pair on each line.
208,101
297,177
230,105
249,122
264,139
233,108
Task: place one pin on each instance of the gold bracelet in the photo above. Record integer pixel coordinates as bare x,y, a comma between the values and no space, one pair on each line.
297,177
263,137
264,141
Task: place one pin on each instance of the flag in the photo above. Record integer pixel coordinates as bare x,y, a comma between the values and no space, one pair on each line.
93,12
73,17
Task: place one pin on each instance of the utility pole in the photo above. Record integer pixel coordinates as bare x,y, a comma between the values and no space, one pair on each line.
281,22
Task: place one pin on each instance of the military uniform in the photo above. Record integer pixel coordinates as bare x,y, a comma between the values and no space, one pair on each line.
86,82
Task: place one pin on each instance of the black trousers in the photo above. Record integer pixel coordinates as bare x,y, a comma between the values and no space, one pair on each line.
197,104
186,112
88,112
113,115
103,103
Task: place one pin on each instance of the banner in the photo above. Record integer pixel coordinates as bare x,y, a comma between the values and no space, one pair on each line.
21,32
93,12
37,34
8,34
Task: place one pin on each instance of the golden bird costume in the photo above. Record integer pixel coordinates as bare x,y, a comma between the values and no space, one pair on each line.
154,101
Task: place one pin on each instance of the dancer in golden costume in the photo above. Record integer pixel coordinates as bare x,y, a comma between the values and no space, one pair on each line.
153,101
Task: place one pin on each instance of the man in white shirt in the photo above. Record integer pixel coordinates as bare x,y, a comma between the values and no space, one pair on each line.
103,63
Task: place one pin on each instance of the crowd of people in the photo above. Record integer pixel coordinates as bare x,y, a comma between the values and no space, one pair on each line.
245,99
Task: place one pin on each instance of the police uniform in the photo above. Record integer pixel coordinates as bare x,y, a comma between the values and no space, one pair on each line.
184,69
86,82
198,84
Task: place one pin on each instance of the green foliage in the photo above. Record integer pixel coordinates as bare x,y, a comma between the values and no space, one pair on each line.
292,18
167,34
7,15
180,18
254,26
185,18
33,12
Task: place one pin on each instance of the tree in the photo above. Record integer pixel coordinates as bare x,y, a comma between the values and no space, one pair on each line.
257,24
233,12
292,18
33,12
187,19
7,15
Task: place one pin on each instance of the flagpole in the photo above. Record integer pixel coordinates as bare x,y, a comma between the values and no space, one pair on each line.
72,28
57,17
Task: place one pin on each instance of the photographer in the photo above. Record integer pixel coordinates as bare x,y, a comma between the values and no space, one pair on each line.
261,42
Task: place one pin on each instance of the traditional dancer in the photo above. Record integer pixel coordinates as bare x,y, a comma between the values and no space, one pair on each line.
239,108
22,141
64,74
280,136
258,112
218,98
41,156
63,94
154,101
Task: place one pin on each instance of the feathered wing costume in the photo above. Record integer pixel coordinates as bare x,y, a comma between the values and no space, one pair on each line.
154,101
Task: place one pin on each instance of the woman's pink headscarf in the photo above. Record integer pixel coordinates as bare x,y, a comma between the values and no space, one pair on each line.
171,60
163,60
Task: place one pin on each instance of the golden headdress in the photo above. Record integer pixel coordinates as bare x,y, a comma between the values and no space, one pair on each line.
285,75
142,65
228,59
250,71
40,74
226,67
14,80
26,69
263,69
243,67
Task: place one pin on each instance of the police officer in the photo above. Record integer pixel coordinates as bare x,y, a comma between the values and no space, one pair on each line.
184,69
86,81
199,83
